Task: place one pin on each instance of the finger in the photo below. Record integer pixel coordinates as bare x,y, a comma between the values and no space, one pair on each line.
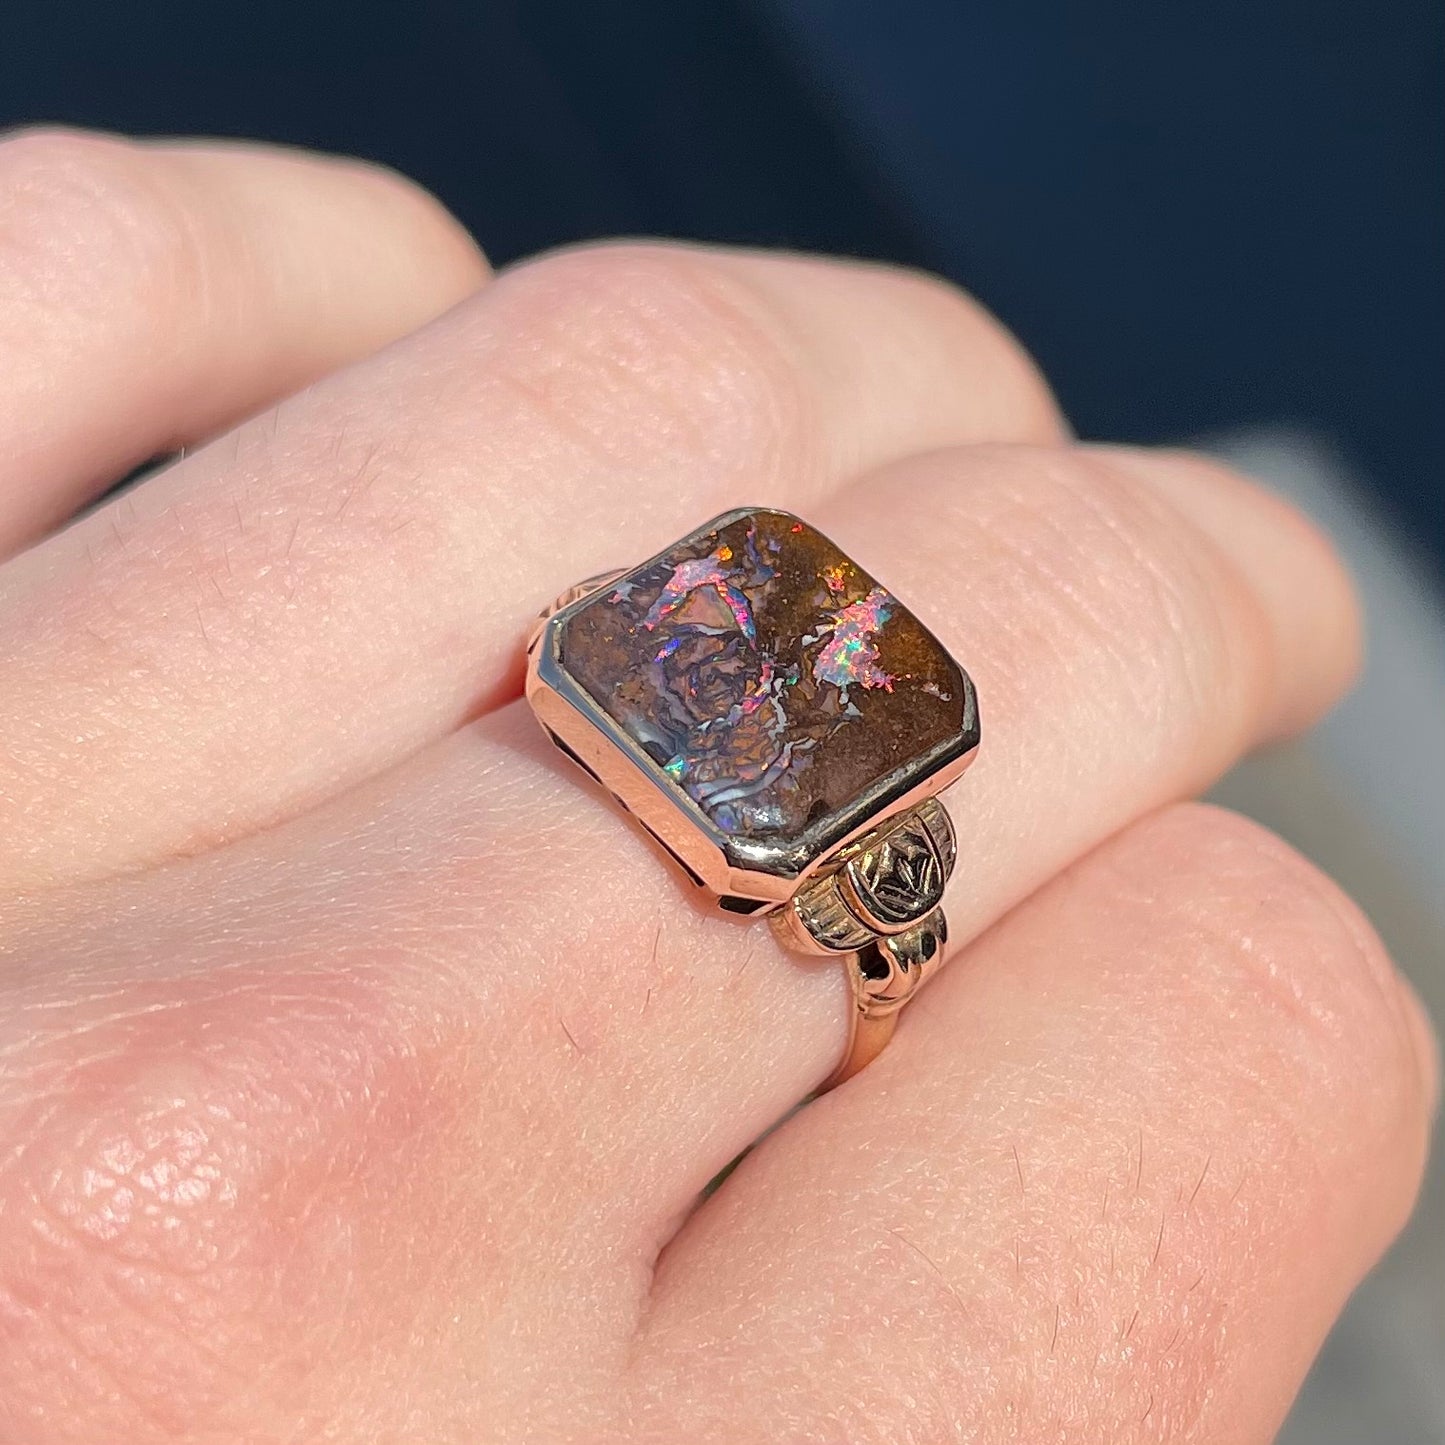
479,917
1134,621
348,578
1123,658
1113,1181
154,293
473,930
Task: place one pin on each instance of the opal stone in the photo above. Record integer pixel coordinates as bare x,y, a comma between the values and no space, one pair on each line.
765,674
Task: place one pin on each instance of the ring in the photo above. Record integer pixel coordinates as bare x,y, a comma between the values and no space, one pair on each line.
781,725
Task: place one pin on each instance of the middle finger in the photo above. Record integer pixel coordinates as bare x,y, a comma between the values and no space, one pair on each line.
342,580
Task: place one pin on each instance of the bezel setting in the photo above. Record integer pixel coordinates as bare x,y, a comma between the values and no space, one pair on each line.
748,874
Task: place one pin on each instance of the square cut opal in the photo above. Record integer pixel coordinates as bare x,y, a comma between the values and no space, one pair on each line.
768,678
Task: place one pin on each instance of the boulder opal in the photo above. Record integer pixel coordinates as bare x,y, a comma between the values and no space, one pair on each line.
768,678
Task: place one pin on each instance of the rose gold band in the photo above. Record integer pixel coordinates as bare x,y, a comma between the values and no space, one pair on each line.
882,977
868,1034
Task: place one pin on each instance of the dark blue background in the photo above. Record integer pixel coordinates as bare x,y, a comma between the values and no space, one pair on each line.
1195,214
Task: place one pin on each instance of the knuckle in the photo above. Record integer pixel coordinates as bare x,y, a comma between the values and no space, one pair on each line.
1281,944
1093,556
437,242
1206,635
1008,385
89,207
175,1200
660,337
119,1226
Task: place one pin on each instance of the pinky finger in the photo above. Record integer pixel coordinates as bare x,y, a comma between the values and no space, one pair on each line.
1113,1181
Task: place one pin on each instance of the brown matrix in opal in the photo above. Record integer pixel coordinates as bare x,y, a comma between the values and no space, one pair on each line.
765,674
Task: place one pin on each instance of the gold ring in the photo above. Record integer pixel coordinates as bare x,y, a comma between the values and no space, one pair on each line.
782,725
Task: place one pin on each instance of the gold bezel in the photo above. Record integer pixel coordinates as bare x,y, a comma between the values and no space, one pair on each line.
745,874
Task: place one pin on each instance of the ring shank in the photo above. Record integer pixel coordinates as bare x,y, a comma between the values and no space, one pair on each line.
882,977
868,1033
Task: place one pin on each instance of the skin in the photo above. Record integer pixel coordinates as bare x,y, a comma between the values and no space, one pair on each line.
361,1069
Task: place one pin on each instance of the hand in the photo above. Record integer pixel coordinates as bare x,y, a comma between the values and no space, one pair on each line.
363,1070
